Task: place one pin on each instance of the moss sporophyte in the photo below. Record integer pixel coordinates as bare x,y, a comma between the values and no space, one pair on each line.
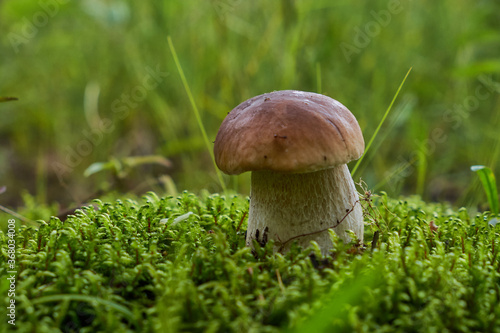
181,264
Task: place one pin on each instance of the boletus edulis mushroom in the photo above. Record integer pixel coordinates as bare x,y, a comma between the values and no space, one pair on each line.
296,144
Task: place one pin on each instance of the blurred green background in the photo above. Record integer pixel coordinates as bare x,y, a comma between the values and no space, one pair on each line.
96,82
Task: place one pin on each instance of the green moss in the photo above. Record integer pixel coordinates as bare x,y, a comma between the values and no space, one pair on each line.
180,264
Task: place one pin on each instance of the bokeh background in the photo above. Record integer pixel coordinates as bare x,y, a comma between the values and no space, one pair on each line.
97,82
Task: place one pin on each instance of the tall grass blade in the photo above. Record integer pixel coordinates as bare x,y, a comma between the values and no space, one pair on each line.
489,185
196,112
422,170
380,124
318,78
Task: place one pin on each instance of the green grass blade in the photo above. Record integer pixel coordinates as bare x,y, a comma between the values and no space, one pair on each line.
489,184
318,78
380,124
423,153
196,112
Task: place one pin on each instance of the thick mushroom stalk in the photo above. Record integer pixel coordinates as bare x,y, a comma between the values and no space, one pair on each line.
302,207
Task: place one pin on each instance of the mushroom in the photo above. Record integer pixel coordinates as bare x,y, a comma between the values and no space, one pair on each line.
296,144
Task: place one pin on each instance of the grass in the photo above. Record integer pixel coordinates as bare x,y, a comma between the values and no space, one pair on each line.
229,56
196,112
370,142
172,264
489,185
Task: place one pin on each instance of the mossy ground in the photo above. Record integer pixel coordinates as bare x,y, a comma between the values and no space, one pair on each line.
180,264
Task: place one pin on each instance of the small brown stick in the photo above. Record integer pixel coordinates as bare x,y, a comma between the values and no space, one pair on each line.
241,221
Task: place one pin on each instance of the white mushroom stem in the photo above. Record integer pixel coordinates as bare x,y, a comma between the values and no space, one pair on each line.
301,207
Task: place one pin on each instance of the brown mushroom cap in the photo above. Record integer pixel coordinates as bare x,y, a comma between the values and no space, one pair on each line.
287,131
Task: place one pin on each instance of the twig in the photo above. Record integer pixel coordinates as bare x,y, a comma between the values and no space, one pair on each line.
20,217
241,221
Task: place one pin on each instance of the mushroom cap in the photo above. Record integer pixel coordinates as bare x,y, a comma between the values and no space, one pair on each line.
287,131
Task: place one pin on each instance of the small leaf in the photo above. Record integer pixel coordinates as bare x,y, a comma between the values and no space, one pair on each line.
177,219
96,167
133,161
489,184
121,167
494,222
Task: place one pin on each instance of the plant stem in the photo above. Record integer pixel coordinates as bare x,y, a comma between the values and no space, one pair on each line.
196,112
380,124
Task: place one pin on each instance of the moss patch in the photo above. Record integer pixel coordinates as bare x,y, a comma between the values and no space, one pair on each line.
180,264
